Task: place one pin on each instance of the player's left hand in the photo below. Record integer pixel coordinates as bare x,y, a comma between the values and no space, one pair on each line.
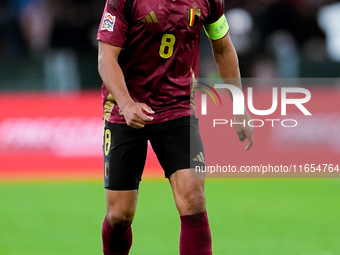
244,131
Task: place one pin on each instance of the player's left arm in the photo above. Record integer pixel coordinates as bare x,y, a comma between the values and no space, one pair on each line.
227,63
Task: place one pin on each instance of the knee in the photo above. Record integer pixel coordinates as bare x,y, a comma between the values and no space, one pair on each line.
120,218
197,198
192,202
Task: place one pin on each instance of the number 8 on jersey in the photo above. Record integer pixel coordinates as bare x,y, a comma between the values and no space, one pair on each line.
167,46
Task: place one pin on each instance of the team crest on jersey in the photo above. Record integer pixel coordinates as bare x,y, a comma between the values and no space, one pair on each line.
108,22
194,15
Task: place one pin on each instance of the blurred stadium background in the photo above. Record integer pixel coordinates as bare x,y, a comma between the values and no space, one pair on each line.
52,200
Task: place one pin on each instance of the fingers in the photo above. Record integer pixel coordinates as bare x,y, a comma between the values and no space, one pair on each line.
250,141
246,133
136,118
147,109
241,135
135,124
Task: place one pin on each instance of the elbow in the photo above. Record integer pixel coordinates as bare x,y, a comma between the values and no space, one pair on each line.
219,57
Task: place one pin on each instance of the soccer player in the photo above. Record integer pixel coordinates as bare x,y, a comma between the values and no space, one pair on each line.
148,54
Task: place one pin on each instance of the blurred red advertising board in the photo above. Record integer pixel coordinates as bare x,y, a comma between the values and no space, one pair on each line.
53,135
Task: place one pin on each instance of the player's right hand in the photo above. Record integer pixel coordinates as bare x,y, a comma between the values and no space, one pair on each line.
136,116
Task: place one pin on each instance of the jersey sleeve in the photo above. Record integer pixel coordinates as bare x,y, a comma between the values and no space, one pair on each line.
216,25
113,26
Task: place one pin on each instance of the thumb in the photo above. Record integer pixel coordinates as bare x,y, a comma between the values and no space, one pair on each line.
250,142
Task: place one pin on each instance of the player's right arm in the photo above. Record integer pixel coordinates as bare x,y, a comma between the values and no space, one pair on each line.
111,73
217,29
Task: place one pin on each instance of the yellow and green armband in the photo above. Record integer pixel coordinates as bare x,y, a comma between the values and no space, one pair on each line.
218,29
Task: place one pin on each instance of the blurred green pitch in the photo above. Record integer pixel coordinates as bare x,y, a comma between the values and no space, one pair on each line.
247,217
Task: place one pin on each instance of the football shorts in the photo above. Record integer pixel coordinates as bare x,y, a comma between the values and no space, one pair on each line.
176,143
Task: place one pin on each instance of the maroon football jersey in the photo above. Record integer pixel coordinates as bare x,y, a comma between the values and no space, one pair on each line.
160,41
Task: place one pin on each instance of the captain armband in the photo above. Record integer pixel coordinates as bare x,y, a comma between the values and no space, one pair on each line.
218,29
